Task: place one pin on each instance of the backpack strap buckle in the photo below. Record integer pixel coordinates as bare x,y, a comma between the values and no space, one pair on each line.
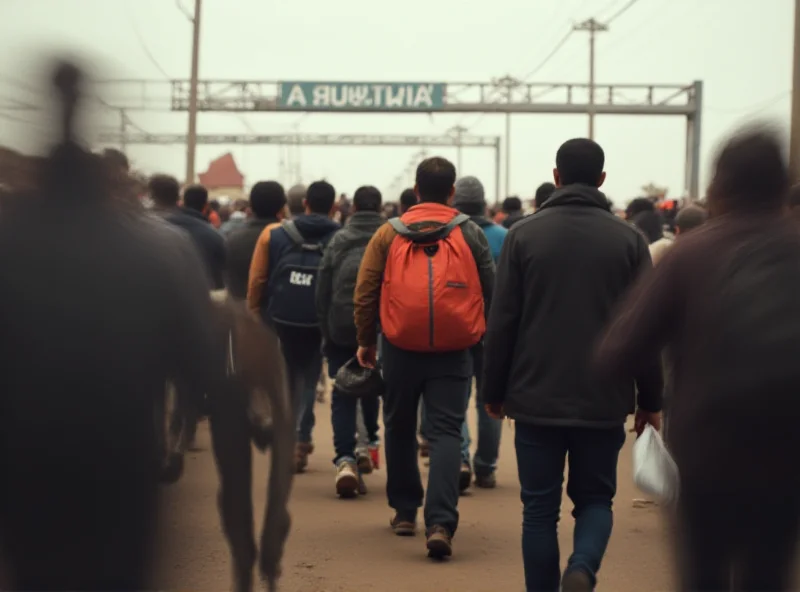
427,236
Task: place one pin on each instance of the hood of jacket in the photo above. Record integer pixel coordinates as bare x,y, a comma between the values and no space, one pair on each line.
315,226
193,213
366,221
577,195
482,221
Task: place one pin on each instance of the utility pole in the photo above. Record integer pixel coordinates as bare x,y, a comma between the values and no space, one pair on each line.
794,145
509,83
191,144
593,27
459,132
123,131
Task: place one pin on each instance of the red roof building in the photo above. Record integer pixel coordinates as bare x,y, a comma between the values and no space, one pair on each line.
222,173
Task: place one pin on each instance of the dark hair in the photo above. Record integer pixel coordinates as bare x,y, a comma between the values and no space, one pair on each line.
408,199
690,217
580,161
435,179
543,193
512,204
639,205
320,197
367,199
267,198
116,159
651,224
750,172
195,197
164,190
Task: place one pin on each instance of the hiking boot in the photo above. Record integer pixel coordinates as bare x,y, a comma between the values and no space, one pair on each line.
486,481
346,479
424,448
464,478
439,543
301,452
402,527
364,462
375,455
576,580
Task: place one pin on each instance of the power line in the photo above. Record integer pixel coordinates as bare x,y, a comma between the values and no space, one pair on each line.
143,44
753,108
621,11
189,16
549,57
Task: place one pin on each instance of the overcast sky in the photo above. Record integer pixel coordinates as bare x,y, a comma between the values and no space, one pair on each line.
741,49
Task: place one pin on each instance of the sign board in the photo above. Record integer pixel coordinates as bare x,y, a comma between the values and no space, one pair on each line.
361,96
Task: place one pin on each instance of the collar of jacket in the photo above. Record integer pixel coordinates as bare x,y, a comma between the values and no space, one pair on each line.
482,221
365,220
261,222
193,213
429,212
577,195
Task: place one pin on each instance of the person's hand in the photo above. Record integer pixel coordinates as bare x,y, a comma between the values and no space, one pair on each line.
367,356
495,410
644,418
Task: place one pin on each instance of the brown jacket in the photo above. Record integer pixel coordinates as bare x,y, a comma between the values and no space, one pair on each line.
724,301
259,270
370,275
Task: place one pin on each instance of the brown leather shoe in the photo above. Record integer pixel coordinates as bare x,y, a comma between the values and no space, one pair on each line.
301,452
402,527
439,543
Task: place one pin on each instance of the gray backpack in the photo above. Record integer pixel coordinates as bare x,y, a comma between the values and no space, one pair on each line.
341,325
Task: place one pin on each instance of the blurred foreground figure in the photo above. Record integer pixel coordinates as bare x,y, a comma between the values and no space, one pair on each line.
96,314
725,300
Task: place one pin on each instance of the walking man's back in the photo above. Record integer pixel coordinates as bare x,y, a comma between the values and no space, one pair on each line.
561,272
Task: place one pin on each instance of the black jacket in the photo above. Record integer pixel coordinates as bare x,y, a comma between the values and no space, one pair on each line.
241,244
560,275
209,242
356,233
512,219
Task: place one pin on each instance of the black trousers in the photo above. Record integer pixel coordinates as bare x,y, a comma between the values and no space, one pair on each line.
441,380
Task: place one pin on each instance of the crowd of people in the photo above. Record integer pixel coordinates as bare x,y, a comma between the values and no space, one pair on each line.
570,319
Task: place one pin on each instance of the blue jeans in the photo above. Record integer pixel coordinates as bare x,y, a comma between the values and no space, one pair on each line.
344,409
591,485
302,353
489,429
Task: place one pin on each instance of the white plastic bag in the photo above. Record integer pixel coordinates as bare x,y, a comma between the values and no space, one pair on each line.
654,470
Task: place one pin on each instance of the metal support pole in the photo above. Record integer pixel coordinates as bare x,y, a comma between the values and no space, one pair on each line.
697,120
592,27
508,150
794,145
191,144
687,161
497,172
123,131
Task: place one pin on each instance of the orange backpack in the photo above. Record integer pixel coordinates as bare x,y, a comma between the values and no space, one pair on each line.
431,298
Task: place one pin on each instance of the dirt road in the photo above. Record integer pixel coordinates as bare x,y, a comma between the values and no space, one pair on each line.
346,545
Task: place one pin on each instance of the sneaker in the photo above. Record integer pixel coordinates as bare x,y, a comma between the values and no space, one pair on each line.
346,479
364,462
375,455
424,448
402,527
486,481
464,478
439,543
301,452
576,580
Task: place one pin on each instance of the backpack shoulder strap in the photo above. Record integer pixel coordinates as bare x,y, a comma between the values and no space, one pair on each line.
294,234
428,236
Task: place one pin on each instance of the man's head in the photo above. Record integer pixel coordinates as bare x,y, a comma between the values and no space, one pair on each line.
543,193
639,205
297,199
116,161
320,198
267,199
435,180
470,197
512,205
367,199
689,218
408,199
579,161
750,174
195,197
165,191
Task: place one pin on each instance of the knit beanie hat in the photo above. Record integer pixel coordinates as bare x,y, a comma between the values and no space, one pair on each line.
469,191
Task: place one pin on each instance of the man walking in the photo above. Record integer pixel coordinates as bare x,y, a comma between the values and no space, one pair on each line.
559,278
267,204
335,287
429,274
470,199
282,292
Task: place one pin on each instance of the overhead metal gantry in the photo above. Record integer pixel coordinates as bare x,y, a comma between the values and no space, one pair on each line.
502,96
121,138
